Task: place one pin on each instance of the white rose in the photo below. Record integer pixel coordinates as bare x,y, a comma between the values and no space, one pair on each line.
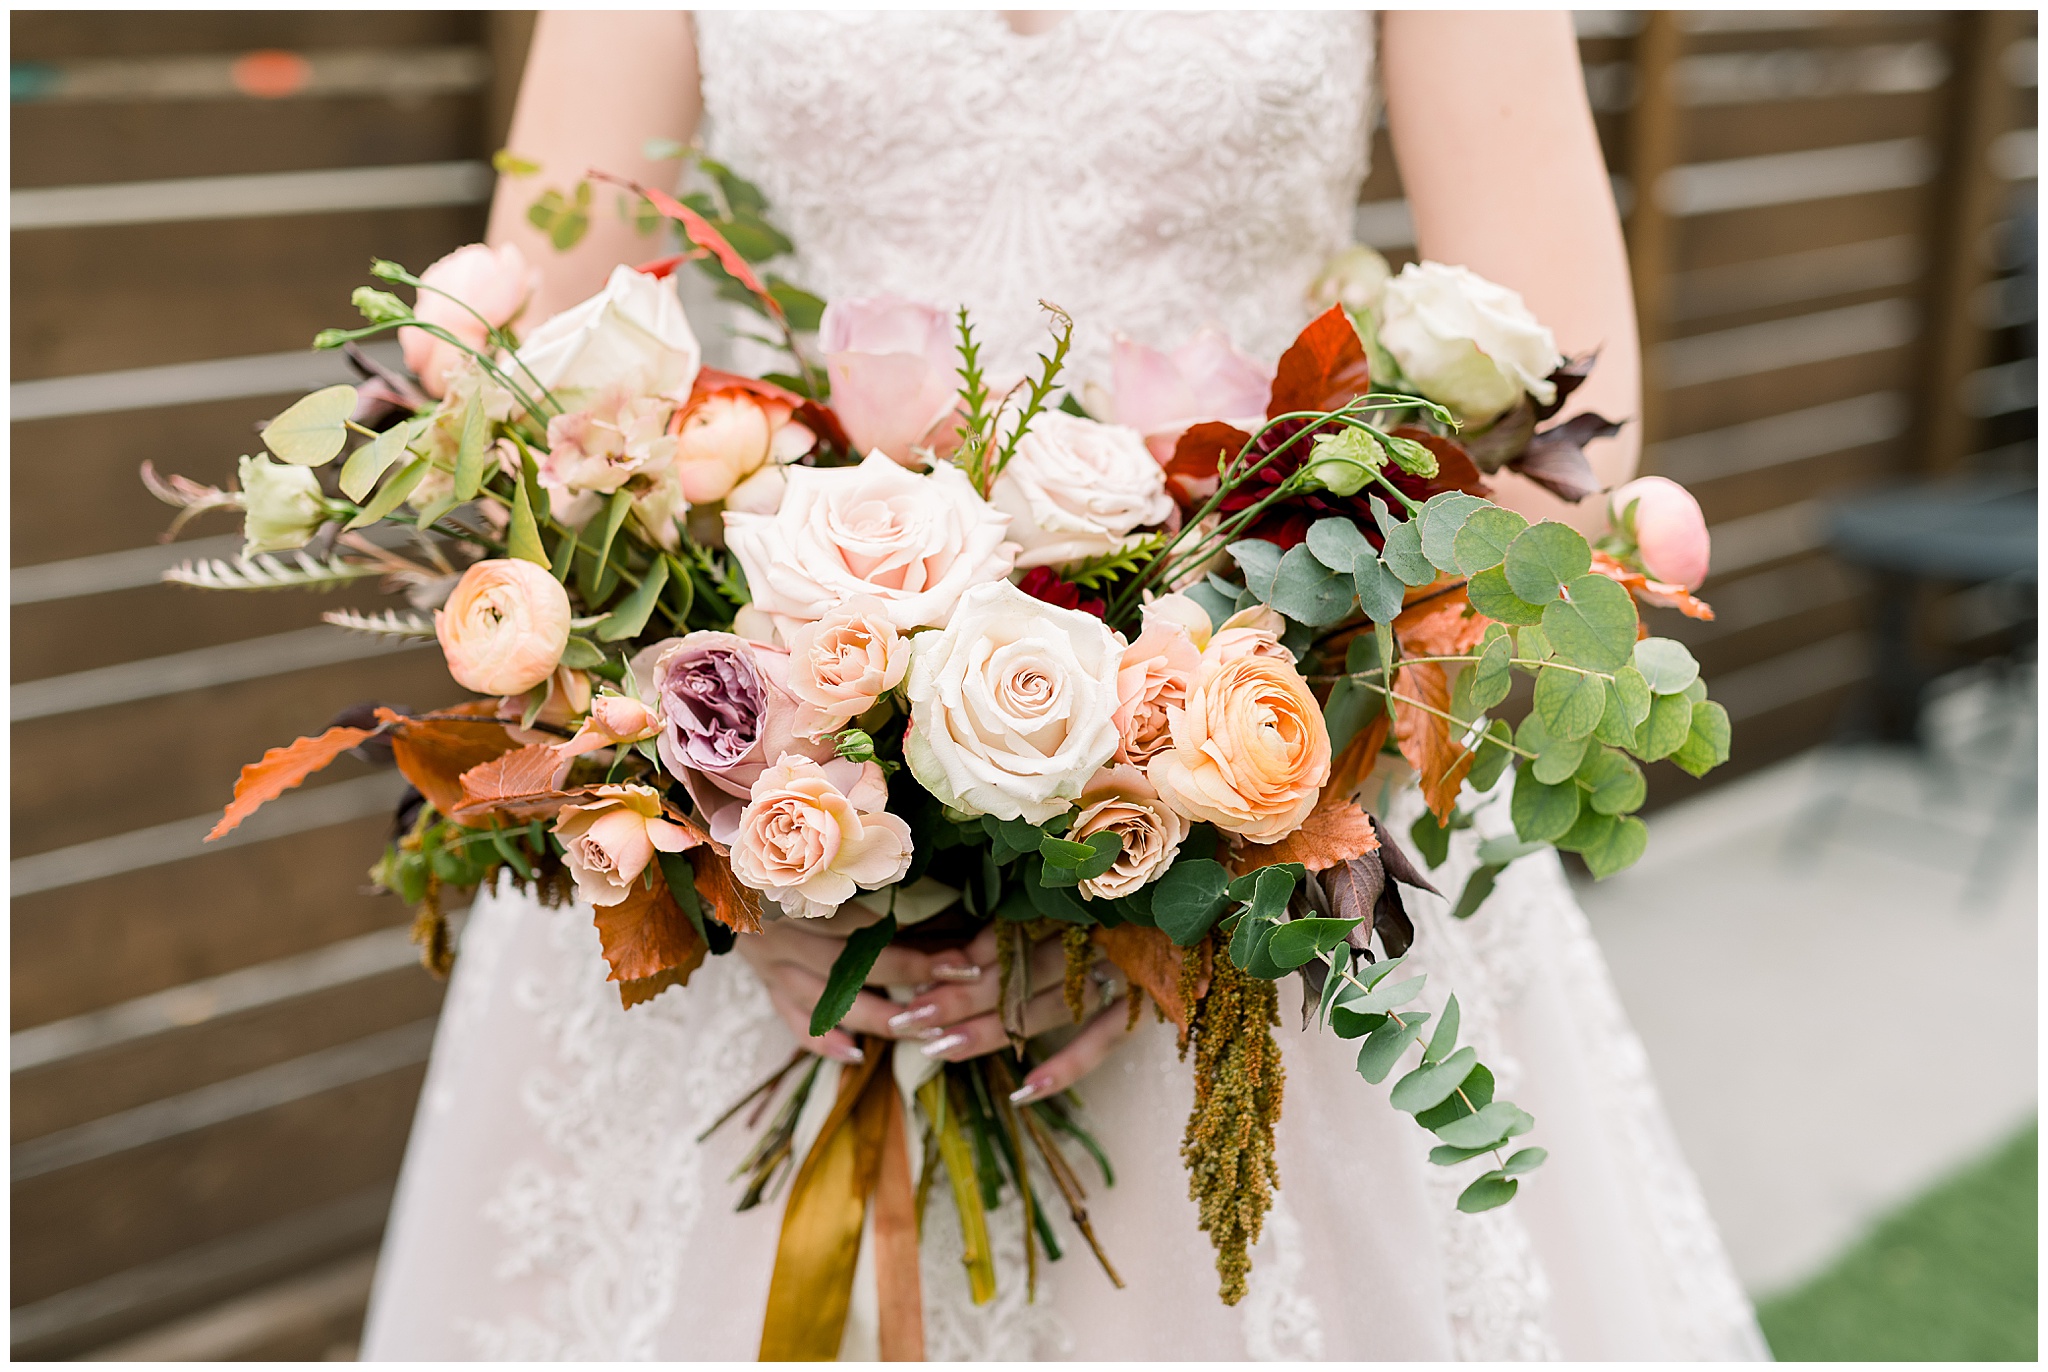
1076,488
1012,706
915,543
1465,342
632,334
283,507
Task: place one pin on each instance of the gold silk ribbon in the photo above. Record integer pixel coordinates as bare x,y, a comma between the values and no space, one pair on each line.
862,1153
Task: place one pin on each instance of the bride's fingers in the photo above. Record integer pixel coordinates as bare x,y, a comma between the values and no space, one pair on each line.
971,1038
1082,1055
945,1004
835,1043
787,942
869,1013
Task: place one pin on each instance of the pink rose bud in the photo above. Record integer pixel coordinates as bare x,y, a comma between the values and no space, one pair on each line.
1669,530
1162,394
504,627
493,282
892,366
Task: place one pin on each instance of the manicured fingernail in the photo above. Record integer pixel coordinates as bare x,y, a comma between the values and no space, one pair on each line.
971,972
940,1047
935,1031
849,1055
1030,1090
911,1018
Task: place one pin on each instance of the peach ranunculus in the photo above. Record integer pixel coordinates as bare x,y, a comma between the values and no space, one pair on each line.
1250,752
1669,531
608,842
493,282
813,834
1153,678
1161,394
841,665
1076,489
727,434
1121,801
916,543
504,626
892,364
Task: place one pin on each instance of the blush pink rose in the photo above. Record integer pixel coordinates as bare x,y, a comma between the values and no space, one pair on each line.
494,282
614,720
839,666
504,626
608,842
1121,801
725,436
815,833
1670,532
1153,678
1161,394
892,366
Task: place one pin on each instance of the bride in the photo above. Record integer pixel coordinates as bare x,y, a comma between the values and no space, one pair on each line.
1153,173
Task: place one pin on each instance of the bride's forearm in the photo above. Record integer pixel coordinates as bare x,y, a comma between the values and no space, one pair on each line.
597,86
1504,174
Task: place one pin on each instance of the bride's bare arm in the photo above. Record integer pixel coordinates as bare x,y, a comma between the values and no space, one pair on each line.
598,85
1504,175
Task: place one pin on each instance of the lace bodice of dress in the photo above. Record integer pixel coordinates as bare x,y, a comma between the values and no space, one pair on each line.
1148,172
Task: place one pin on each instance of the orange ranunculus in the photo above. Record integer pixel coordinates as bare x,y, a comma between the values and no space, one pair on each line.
504,626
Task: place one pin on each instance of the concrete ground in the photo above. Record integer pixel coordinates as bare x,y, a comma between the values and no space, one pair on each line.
1832,963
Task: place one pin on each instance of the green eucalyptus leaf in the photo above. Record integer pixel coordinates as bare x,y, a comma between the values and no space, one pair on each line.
1474,1093
1490,1192
1190,898
1491,1125
1595,626
1383,1046
1445,1039
1502,849
1259,561
1617,847
1307,591
1431,840
1666,729
393,494
1569,703
1337,543
1377,588
1666,666
1491,676
1532,644
1544,559
1384,996
1707,740
1628,705
1477,888
1442,520
1401,547
1697,691
313,429
1489,593
1614,785
1492,756
1304,940
1484,540
1443,1155
1353,704
359,474
1432,1084
1526,1160
1543,813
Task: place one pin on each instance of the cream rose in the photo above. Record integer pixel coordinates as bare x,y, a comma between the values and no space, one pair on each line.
1250,752
608,842
1012,705
1121,801
1355,278
839,666
632,333
915,543
504,626
1464,341
1076,488
815,833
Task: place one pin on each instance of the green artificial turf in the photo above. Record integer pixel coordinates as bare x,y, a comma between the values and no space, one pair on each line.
1949,1276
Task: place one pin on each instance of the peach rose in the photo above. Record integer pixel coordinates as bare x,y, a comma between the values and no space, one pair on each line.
1670,532
839,666
1121,801
607,843
815,833
1250,751
1152,679
892,366
725,436
1161,394
504,626
493,282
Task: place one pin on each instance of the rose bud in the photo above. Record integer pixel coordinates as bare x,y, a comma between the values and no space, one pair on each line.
1669,531
493,282
1161,394
504,626
892,366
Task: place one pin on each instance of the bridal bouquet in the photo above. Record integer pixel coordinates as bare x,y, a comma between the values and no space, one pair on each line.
898,639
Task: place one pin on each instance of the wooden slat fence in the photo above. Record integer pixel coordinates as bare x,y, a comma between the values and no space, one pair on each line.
215,1055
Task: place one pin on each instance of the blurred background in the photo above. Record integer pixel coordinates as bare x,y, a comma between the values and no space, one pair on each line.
1830,951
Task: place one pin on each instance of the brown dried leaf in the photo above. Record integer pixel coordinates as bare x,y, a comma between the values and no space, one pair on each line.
1354,888
647,934
632,993
730,903
1664,593
1440,621
280,769
524,784
1556,459
1152,962
433,752
1352,766
1335,831
1425,737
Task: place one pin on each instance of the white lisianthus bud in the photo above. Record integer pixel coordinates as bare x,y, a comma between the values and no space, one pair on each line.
283,506
1341,463
1354,279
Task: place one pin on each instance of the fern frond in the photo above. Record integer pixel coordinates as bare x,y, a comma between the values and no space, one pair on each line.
1093,573
268,572
407,625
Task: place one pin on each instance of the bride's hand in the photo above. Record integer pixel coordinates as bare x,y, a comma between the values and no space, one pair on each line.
793,956
959,1021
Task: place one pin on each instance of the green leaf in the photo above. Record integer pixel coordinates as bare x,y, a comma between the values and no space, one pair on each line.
581,654
1478,887
1337,543
1443,1155
1442,520
1569,703
1544,559
1628,705
1474,1093
1543,814
1666,666
1556,758
1488,591
313,429
434,509
1696,692
1189,899
1353,704
1502,849
631,614
1446,1036
1377,588
1340,960
1617,847
1707,742
1064,852
1491,1125
1098,854
1383,1046
1383,997
596,574
1250,949
1614,785
359,474
1667,728
1401,549
1484,540
1271,886
393,495
1259,562
1491,676
522,537
1308,592
1492,757
850,972
1595,627
1533,644
1490,1192
1430,1085
473,457
1304,940
1526,1160
803,310
1430,839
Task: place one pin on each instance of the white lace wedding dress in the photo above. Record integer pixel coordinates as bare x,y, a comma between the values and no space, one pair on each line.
1150,173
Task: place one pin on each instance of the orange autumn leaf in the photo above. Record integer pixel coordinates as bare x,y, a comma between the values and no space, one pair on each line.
1650,592
643,989
1352,766
647,934
1152,962
280,769
728,902
518,786
1425,738
1335,831
1440,622
434,751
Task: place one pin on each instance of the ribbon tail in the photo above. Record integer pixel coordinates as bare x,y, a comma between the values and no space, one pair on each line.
900,1297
